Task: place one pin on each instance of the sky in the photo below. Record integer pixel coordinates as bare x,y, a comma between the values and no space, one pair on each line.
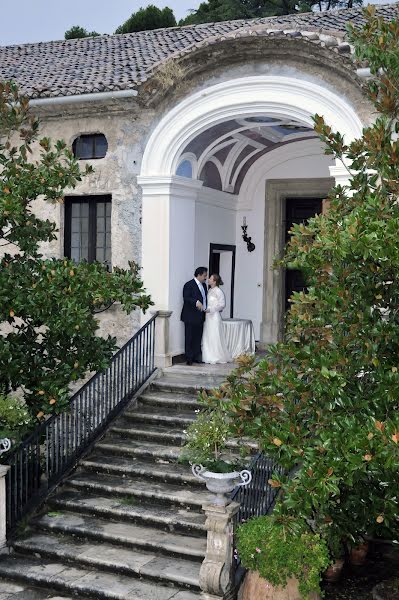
23,21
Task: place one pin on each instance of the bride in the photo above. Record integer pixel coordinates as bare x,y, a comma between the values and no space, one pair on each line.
214,348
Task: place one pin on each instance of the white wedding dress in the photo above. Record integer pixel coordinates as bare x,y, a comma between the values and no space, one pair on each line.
214,349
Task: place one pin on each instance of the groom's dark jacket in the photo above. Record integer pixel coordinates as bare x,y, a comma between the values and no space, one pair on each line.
191,294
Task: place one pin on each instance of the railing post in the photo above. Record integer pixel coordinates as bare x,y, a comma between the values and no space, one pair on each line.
162,356
216,570
3,508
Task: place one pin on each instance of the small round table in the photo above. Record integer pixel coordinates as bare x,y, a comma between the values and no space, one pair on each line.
239,336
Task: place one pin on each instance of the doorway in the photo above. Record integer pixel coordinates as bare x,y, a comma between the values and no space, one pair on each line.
297,210
222,260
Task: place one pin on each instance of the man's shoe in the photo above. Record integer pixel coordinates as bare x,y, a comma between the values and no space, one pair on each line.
189,363
199,362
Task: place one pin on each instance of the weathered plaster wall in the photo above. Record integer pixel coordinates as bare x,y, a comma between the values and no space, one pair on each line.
115,175
214,225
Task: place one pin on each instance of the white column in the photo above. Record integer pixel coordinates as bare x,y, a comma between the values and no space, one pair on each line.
3,513
168,239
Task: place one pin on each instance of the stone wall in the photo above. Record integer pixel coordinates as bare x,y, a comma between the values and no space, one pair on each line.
115,175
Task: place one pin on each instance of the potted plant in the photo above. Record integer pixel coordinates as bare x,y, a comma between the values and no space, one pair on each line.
284,556
206,450
337,554
358,554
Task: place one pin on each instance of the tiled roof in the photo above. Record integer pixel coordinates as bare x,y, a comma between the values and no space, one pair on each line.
120,62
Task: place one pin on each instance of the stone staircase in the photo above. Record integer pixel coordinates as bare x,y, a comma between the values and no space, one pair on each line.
127,524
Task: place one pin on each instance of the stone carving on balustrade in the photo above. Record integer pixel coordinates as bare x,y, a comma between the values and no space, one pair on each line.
215,573
5,445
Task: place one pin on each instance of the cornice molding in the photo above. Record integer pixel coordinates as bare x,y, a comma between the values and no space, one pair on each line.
169,185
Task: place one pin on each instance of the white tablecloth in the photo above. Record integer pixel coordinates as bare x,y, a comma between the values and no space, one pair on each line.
240,336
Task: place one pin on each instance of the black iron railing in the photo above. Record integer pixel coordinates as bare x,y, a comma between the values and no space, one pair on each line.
43,459
258,497
255,499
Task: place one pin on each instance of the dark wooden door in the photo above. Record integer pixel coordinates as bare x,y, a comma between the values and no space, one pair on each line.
298,210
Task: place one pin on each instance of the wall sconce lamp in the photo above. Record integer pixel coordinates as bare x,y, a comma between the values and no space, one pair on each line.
245,237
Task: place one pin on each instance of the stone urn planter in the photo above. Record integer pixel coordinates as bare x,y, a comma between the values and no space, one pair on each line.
334,571
222,484
257,588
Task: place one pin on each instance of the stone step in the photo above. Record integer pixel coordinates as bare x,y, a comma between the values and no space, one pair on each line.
97,585
125,429
181,520
112,444
169,400
100,462
169,435
20,591
116,559
163,416
123,534
185,385
140,489
157,432
202,369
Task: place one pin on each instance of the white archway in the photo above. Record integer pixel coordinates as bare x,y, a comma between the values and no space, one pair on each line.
169,201
248,96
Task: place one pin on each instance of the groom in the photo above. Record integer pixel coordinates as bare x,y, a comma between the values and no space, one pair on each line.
193,314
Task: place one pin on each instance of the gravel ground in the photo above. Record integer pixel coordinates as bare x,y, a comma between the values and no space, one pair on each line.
357,582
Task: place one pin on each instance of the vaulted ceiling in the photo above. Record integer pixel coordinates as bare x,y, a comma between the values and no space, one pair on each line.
222,155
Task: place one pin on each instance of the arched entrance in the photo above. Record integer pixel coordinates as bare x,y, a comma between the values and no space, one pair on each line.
198,177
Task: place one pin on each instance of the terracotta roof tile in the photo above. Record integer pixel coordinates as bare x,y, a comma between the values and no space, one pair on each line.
120,62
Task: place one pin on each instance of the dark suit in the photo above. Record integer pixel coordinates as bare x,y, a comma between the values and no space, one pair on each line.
193,320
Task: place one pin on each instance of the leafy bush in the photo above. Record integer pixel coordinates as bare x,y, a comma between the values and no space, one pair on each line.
206,442
47,306
15,419
278,552
325,402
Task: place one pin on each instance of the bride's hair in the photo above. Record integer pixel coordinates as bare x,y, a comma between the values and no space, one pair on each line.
217,278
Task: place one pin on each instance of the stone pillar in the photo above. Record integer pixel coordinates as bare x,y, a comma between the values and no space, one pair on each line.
168,245
273,294
3,524
163,358
215,573
341,174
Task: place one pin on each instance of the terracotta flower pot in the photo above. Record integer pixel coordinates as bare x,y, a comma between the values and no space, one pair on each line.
257,588
334,571
358,555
